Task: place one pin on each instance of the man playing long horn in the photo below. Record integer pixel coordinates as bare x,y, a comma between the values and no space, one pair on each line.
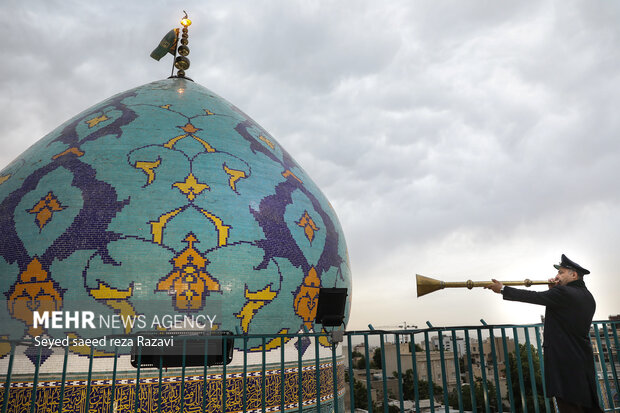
569,362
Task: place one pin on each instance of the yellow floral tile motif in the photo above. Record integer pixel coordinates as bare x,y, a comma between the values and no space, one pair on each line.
95,121
5,346
4,178
267,141
324,341
308,225
189,282
170,144
235,175
105,292
44,209
148,168
307,297
206,145
256,300
273,343
157,227
189,128
288,173
223,231
34,291
116,299
74,151
190,187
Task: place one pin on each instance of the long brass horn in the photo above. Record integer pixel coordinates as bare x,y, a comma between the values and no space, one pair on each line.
427,285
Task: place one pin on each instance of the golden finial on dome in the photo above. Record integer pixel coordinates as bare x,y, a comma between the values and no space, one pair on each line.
181,62
169,45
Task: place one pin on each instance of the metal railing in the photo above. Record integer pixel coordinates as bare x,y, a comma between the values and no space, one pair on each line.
484,368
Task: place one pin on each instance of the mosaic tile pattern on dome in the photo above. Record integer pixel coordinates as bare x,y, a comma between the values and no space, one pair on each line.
170,195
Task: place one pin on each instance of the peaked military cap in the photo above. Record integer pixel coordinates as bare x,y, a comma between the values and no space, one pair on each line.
571,265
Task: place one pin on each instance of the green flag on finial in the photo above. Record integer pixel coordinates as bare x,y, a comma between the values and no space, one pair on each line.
167,45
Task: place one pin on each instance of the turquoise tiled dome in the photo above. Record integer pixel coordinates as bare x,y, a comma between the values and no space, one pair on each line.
166,196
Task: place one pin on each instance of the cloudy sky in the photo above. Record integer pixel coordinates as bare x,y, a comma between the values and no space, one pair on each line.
454,139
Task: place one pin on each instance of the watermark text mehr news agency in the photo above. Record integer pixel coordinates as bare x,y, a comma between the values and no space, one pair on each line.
88,320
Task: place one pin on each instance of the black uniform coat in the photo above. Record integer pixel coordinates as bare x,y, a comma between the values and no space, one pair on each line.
569,363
